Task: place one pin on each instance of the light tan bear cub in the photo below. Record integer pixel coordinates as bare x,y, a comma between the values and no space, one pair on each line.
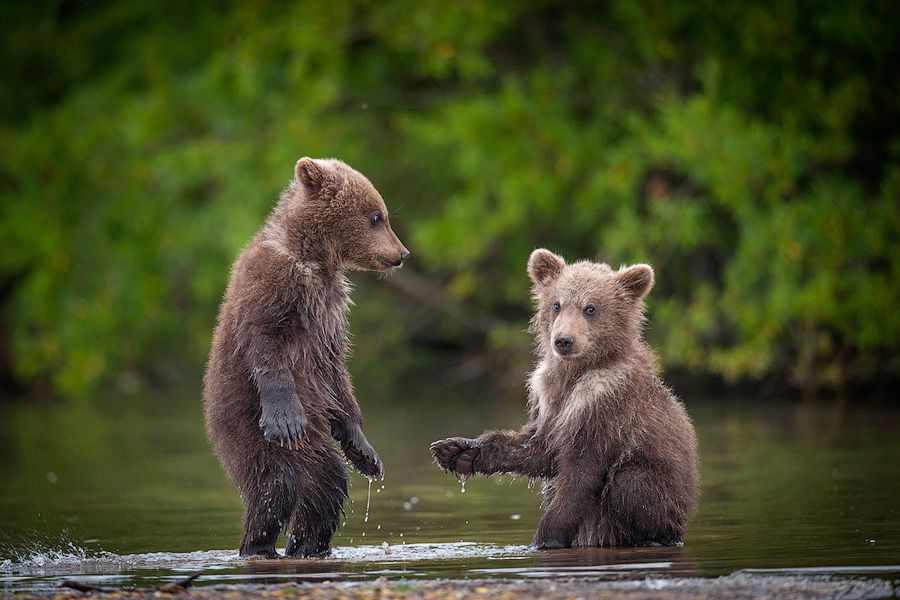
614,446
277,392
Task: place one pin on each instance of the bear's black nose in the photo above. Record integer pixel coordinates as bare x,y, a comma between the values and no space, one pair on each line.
404,255
564,343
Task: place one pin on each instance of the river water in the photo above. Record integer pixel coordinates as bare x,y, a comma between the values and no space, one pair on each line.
124,491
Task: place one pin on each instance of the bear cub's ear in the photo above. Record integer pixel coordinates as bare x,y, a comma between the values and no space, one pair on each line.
311,173
636,279
544,267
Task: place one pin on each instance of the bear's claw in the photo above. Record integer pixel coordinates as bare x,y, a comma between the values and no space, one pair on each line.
283,422
365,459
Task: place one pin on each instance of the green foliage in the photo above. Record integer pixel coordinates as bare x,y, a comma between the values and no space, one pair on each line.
751,153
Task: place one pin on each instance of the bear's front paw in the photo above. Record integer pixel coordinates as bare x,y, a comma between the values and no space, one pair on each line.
366,461
360,452
284,423
456,455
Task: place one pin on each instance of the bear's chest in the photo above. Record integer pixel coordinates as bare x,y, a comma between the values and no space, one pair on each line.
315,324
589,406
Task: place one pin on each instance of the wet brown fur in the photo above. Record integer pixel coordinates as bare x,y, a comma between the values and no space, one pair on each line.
276,391
614,446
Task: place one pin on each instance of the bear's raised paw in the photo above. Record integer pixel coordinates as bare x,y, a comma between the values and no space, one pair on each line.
456,455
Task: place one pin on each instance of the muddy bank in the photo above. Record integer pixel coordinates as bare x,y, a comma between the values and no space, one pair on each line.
739,586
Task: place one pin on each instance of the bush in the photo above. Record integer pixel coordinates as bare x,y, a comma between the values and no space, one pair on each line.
749,152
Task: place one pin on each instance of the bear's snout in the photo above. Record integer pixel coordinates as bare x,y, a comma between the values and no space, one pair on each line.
398,262
563,344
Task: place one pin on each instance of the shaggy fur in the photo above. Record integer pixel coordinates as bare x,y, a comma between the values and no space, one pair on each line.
276,389
614,446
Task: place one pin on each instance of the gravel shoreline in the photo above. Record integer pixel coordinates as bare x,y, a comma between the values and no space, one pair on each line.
739,586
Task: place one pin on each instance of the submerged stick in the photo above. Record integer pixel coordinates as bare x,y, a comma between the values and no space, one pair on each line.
83,587
173,588
179,586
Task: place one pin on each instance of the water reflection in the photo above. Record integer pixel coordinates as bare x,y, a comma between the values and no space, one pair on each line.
274,571
610,563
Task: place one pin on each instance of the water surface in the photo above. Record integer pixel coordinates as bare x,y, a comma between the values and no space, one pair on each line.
123,490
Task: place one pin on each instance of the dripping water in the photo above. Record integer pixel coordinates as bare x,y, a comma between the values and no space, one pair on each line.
368,502
462,482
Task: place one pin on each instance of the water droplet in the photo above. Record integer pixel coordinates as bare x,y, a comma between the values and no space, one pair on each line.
368,502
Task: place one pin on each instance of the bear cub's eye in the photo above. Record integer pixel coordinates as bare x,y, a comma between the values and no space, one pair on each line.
556,307
375,218
589,309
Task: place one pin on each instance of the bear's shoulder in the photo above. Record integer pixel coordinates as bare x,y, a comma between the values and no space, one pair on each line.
264,268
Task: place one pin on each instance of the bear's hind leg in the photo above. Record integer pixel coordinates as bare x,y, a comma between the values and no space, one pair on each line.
317,513
565,502
637,511
269,500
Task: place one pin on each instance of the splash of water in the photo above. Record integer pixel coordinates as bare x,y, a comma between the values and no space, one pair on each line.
81,561
36,552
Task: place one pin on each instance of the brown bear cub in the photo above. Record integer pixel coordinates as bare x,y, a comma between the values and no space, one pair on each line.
276,389
614,446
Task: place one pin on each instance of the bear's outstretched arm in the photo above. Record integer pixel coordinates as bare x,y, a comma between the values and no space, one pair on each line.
282,417
513,452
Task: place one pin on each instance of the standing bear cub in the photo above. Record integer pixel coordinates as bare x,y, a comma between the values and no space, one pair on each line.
614,446
276,389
